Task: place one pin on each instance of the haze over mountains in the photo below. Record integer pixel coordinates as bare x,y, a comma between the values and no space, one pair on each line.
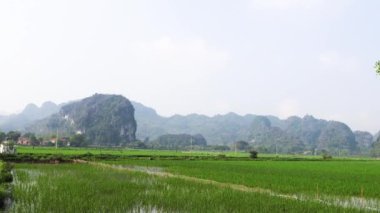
105,117
30,114
292,135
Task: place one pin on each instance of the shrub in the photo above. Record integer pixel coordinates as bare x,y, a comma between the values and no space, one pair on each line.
221,156
253,154
3,196
326,156
6,177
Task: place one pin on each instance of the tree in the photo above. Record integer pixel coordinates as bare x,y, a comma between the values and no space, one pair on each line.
2,136
241,145
253,154
34,141
377,67
13,136
78,140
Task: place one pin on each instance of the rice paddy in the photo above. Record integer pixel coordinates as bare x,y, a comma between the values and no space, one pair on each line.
191,185
89,188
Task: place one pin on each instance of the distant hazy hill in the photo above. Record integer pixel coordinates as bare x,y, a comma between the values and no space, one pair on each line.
364,139
178,141
220,129
30,114
376,137
290,135
104,119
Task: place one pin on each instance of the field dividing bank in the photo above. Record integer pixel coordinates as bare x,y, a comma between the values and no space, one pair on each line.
126,152
87,188
122,151
344,179
359,203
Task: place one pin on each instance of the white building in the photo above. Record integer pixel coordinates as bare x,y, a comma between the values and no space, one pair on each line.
7,148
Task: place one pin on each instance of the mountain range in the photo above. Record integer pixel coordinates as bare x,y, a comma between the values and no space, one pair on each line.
293,134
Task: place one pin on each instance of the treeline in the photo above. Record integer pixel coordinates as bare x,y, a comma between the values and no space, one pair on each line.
12,136
15,137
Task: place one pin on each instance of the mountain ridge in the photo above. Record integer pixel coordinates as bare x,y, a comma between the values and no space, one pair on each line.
224,129
104,119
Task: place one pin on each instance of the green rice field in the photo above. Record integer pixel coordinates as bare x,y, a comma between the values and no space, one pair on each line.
269,184
88,188
341,178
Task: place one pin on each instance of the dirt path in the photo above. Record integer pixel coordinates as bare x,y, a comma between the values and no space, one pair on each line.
347,202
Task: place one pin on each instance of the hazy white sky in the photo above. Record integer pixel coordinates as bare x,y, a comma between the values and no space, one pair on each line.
280,57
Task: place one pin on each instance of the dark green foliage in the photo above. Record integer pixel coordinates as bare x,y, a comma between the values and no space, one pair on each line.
78,140
241,145
377,67
13,135
253,154
326,156
6,177
4,194
2,136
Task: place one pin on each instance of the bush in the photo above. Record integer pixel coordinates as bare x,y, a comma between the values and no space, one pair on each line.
326,157
8,166
221,156
253,154
6,177
3,196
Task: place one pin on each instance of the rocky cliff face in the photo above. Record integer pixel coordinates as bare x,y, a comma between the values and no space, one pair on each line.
337,135
104,119
364,139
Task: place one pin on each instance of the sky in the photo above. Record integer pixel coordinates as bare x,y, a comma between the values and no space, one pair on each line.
266,57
